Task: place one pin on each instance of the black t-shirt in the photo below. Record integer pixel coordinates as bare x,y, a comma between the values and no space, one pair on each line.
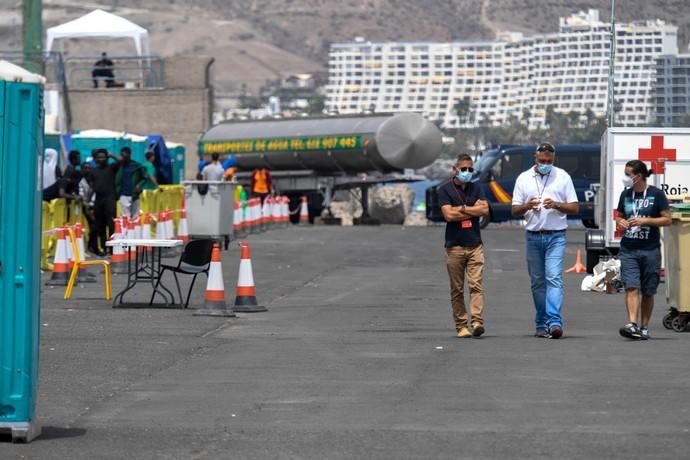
464,233
71,180
650,204
104,182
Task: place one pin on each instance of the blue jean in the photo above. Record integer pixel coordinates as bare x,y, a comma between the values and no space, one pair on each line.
545,253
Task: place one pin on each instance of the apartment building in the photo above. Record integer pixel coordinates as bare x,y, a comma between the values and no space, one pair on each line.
512,76
672,90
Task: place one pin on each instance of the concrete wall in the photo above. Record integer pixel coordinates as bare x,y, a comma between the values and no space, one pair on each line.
180,112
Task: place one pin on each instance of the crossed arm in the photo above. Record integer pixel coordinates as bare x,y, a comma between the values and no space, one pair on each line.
460,213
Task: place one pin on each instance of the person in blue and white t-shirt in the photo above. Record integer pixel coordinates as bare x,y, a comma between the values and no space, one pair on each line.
642,209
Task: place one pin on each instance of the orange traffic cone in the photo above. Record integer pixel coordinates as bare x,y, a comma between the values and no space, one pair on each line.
304,212
214,299
182,231
237,227
245,300
118,261
131,235
285,211
579,267
84,276
60,275
266,213
146,230
169,228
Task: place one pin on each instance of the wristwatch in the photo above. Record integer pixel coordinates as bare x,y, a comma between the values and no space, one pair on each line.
557,206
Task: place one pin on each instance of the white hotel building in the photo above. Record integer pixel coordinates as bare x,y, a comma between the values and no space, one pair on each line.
567,70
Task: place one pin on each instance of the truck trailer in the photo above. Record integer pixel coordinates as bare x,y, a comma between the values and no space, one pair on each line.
316,156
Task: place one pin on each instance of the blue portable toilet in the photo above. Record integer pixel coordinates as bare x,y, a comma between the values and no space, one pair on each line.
21,160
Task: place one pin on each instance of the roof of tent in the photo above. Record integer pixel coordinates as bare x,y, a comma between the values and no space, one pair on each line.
12,72
98,23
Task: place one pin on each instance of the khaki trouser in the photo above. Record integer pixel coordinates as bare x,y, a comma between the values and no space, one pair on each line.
463,261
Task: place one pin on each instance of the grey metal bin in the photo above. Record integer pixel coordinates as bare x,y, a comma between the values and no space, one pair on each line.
209,208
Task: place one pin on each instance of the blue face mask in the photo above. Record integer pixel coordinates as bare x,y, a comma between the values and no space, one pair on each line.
544,169
464,176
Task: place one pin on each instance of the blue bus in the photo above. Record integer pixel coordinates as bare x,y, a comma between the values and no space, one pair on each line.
497,168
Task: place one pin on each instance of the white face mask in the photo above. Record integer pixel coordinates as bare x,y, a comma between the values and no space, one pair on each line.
628,182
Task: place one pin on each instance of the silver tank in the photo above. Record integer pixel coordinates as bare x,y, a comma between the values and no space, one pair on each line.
348,144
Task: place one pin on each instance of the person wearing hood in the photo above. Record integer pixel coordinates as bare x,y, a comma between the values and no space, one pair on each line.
545,196
463,204
51,175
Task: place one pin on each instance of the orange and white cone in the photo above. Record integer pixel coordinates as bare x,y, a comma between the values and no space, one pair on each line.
214,298
131,235
256,215
169,228
275,212
266,213
183,232
60,275
160,226
70,249
579,267
245,299
249,217
285,211
146,230
304,212
84,276
237,219
118,261
245,217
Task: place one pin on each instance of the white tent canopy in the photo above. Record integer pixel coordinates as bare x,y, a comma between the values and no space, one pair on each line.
100,24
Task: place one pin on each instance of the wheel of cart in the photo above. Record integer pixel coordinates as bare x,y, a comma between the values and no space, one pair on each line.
667,321
680,322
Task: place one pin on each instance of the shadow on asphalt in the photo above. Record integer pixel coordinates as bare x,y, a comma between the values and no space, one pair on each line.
55,432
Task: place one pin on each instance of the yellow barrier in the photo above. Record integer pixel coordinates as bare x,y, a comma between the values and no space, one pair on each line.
58,212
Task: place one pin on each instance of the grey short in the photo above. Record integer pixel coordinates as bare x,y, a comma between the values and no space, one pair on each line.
640,269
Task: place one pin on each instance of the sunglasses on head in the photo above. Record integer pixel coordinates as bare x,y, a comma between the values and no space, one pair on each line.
465,169
546,147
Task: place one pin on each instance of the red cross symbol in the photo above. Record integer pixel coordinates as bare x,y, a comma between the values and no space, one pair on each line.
657,154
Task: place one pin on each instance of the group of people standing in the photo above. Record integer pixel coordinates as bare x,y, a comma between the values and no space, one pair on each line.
545,196
97,185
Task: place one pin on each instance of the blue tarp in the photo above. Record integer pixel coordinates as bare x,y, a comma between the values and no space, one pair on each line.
163,161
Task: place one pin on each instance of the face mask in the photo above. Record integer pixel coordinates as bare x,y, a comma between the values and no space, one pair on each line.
544,169
464,176
628,182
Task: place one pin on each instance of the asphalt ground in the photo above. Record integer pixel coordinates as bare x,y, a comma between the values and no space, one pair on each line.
356,359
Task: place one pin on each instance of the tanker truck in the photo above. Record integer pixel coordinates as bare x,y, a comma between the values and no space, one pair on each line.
317,156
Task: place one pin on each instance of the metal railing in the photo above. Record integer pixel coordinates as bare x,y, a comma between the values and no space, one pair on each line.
127,72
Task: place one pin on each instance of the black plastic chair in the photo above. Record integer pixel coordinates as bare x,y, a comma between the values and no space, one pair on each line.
195,259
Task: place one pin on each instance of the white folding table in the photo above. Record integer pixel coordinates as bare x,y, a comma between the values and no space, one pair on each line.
141,267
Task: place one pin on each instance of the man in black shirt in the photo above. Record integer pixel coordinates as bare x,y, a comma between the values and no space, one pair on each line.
103,70
462,204
106,197
642,209
69,188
